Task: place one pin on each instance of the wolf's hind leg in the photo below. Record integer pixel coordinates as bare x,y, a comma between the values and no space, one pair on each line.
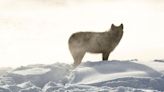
78,56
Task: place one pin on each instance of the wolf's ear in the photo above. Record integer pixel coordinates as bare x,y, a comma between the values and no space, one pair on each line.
112,26
121,26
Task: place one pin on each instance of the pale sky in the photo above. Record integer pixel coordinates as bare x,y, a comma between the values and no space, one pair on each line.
37,31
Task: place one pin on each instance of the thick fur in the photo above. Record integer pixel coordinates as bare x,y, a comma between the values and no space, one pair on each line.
94,42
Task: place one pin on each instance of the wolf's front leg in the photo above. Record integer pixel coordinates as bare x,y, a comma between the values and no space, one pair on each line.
105,56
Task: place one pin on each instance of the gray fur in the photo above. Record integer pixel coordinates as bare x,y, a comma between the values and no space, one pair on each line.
94,42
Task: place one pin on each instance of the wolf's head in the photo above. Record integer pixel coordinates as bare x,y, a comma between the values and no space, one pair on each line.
116,30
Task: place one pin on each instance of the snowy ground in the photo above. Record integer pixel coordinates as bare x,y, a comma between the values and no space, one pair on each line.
96,76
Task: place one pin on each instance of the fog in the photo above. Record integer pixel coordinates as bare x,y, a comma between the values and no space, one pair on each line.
37,31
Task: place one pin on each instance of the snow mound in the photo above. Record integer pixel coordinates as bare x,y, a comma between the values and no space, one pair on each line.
100,76
39,75
93,72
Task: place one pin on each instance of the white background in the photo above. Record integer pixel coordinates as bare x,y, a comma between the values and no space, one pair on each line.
37,31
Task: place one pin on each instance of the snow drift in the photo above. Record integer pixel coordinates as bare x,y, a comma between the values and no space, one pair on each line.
103,76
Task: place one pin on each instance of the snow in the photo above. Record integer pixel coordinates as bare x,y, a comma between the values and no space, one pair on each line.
95,76
4,70
33,71
26,85
112,70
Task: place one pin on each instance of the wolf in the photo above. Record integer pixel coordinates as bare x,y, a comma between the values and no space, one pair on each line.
94,42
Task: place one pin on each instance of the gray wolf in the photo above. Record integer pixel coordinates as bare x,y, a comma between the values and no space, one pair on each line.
94,42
